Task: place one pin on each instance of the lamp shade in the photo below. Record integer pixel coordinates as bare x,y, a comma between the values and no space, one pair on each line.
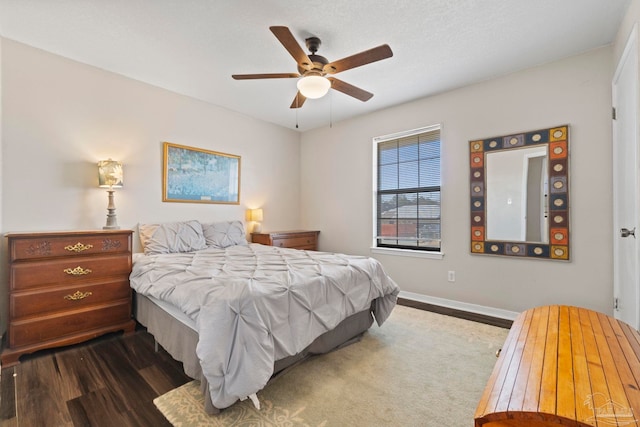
255,215
110,173
313,86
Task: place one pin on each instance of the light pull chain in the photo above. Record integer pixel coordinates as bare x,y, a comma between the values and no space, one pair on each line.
297,108
330,110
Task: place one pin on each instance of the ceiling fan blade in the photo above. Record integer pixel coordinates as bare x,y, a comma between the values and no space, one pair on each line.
289,42
362,58
298,101
350,89
265,76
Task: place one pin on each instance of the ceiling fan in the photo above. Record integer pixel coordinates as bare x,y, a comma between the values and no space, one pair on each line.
313,68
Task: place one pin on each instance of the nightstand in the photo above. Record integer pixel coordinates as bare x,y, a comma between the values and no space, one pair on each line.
296,239
65,288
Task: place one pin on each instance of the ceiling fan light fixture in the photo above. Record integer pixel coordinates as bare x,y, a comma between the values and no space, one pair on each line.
313,87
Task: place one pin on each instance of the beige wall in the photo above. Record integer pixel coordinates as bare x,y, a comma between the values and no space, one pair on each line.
60,117
336,192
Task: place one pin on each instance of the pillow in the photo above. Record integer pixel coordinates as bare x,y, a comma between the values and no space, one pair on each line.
171,237
224,234
146,231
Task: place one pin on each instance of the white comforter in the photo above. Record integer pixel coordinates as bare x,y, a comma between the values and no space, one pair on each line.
255,304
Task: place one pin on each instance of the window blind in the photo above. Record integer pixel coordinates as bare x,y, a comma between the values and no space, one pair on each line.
408,191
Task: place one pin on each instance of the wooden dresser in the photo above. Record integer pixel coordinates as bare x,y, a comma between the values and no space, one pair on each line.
564,365
296,239
66,287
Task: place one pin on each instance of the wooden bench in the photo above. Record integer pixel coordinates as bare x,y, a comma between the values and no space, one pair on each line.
564,365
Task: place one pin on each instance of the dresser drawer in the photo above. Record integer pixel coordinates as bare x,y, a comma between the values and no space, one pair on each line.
302,242
37,330
41,302
28,275
298,239
48,246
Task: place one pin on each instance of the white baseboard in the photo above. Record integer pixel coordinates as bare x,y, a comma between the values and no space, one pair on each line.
463,306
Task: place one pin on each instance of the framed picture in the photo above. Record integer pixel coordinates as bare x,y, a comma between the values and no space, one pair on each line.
520,194
194,175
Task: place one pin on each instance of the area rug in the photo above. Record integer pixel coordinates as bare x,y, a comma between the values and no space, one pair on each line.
418,369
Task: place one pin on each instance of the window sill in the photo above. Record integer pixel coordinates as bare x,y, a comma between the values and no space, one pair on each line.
408,253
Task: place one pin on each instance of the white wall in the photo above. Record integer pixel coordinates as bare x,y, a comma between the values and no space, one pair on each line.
336,192
3,282
632,17
1,42
60,117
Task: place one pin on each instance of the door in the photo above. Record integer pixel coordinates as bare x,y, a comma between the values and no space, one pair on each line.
625,186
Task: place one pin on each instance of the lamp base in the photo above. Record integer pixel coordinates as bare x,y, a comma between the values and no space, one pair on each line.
112,222
257,227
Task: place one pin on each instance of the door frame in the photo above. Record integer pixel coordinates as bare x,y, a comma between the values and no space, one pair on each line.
630,50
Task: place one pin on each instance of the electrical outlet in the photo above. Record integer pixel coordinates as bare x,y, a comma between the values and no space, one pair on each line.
451,276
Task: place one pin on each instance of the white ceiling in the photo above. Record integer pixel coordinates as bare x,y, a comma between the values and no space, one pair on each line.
193,46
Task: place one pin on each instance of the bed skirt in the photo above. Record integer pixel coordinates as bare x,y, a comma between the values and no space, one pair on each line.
180,341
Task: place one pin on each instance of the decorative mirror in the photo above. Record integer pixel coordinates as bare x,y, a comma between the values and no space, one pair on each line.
520,194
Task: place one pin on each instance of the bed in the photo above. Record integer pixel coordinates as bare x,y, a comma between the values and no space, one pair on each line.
236,313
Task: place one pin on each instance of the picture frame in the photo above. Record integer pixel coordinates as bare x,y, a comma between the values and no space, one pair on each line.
196,175
519,194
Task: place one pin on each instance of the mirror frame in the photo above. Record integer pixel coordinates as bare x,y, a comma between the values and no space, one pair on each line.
557,248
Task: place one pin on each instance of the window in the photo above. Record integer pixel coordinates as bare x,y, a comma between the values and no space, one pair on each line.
408,190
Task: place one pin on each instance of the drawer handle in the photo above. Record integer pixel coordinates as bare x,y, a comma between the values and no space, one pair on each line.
78,247
77,296
78,271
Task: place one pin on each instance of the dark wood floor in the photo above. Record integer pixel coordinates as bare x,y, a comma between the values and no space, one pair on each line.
109,381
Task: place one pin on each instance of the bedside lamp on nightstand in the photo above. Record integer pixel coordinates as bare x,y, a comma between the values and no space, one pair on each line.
110,176
255,215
